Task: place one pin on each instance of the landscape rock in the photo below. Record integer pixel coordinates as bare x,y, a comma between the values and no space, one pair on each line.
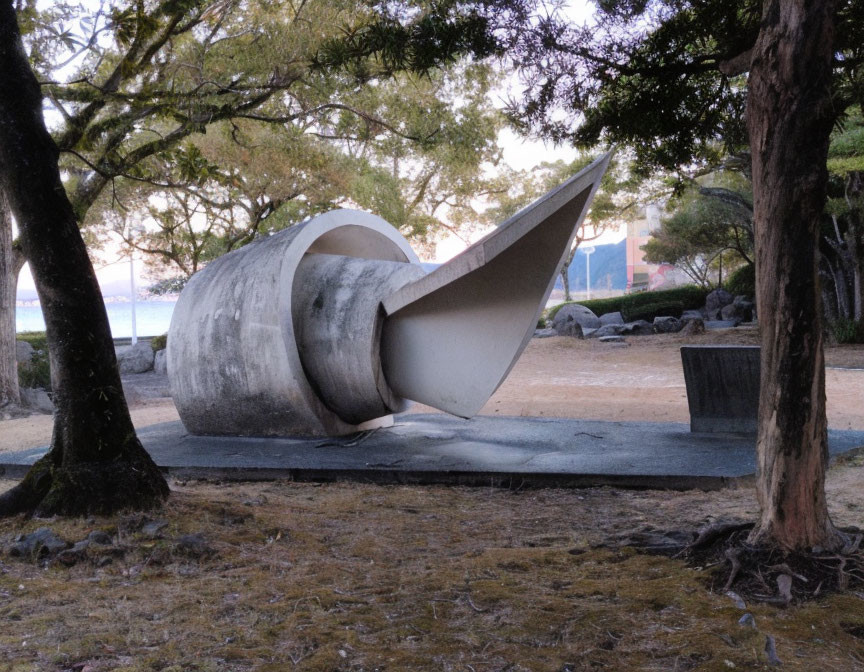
571,313
39,544
538,333
667,325
607,330
136,358
153,529
693,327
611,318
193,546
72,556
637,328
36,399
689,315
612,339
23,352
717,299
740,309
100,537
722,324
160,362
572,329
747,621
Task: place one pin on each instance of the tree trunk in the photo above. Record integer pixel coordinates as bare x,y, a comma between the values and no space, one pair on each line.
11,261
96,463
789,120
565,280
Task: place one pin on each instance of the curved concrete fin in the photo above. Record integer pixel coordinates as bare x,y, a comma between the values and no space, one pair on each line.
451,337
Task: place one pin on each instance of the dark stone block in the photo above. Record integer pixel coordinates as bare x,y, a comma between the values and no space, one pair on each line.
722,387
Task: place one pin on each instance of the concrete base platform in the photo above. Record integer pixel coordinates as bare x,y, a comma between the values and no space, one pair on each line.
488,451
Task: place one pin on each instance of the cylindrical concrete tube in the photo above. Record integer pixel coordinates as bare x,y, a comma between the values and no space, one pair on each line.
232,355
337,323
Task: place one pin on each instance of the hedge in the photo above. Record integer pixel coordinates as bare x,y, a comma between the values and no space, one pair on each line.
690,297
651,310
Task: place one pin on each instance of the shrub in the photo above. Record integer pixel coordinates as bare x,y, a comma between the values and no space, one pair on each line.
742,281
38,373
689,297
848,331
159,342
651,310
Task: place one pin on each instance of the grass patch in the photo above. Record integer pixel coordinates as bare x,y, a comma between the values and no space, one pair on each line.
358,577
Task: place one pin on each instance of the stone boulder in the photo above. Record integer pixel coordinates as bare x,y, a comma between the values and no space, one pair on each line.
607,330
693,327
574,313
717,299
637,328
740,309
611,318
688,315
23,352
667,325
136,358
36,399
572,329
160,361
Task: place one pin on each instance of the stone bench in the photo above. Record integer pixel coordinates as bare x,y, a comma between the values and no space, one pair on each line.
722,387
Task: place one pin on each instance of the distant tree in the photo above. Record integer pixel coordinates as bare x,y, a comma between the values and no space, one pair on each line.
704,224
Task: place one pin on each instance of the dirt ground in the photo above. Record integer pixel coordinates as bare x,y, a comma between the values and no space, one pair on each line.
345,576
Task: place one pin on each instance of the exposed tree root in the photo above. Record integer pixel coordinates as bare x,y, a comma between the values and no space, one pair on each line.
765,574
131,481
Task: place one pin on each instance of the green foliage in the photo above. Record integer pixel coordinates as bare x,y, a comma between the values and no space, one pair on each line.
848,331
159,342
689,297
742,281
38,372
651,310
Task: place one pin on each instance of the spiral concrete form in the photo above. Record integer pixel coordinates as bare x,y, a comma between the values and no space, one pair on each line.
332,325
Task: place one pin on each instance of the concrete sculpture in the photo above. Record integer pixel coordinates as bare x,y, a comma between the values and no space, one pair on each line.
330,326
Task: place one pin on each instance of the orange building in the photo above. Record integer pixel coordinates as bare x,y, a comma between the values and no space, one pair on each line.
640,274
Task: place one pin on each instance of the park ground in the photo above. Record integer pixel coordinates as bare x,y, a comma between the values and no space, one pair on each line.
350,576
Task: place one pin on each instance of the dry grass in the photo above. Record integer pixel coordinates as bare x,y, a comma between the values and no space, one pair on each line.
361,577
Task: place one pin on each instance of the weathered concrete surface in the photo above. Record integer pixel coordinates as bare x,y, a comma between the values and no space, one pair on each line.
451,337
499,451
337,323
722,387
232,353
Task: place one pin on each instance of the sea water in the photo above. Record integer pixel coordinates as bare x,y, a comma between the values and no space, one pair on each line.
152,318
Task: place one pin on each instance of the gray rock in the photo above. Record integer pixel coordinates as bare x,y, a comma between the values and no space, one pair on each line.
39,544
100,537
72,556
160,362
747,621
637,328
607,330
722,324
611,318
153,529
23,352
193,546
571,313
717,299
612,339
538,333
740,309
693,327
667,325
137,358
572,329
36,399
688,315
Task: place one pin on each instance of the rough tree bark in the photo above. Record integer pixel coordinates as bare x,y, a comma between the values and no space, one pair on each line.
11,261
789,120
96,463
855,240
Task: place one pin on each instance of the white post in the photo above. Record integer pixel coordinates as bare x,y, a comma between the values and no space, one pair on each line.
133,292
588,251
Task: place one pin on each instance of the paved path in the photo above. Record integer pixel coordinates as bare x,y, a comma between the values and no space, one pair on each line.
497,451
